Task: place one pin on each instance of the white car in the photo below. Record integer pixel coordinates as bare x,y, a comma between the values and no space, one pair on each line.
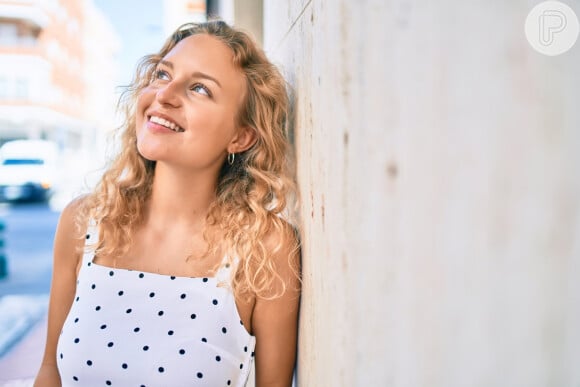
27,170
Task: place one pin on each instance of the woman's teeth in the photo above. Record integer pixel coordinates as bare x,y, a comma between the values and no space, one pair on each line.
164,122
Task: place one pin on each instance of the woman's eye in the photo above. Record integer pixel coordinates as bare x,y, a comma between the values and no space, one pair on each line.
201,89
161,74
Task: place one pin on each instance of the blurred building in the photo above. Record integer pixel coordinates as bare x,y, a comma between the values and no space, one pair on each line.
178,12
56,66
246,14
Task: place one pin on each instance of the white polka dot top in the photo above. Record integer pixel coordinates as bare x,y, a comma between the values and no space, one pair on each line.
130,328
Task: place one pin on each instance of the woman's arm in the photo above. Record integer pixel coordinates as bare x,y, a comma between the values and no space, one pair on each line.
67,257
275,324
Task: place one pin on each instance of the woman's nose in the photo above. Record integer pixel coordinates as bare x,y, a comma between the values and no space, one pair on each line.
168,94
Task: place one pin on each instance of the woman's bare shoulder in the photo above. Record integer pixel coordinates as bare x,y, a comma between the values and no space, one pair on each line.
72,212
76,203
69,232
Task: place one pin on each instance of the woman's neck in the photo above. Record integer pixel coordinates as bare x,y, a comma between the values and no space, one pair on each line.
180,197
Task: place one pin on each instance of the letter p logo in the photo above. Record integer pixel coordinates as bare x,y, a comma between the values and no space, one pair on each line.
551,22
552,28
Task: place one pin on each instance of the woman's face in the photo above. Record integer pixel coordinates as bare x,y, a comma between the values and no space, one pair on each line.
187,115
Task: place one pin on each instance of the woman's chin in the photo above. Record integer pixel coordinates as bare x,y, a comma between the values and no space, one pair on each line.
148,152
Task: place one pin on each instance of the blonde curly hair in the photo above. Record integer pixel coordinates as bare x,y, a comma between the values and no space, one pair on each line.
252,195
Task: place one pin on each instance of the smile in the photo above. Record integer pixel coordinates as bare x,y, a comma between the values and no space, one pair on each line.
168,124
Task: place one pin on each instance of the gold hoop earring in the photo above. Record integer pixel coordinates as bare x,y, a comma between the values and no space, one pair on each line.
231,158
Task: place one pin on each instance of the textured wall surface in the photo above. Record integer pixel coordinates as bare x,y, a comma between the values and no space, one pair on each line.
438,162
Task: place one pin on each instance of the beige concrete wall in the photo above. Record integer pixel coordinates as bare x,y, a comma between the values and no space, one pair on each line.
438,159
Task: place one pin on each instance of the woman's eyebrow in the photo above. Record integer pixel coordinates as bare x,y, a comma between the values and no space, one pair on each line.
196,74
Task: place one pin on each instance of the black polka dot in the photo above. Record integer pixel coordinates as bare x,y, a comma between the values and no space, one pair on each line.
183,296
61,356
170,333
77,340
204,280
224,330
77,299
204,339
245,349
110,344
120,292
241,366
161,369
75,379
241,322
76,320
98,308
89,264
182,351
111,273
88,236
146,348
215,302
199,375
193,316
141,275
229,382
172,277
218,358
152,294
129,310
89,363
108,383
160,313
93,286
124,365
103,326
252,354
137,329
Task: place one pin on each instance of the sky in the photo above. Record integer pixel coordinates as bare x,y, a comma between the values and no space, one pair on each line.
139,25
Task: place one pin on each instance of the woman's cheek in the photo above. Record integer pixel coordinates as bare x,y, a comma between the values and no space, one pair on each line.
144,100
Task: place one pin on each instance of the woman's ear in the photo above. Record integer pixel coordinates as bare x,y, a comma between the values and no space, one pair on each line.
243,140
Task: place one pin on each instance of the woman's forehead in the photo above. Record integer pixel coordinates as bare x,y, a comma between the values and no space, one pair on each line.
203,48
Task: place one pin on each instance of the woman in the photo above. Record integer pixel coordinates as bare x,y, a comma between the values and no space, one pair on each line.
188,271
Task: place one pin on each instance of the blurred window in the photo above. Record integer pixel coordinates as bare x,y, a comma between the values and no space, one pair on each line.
8,33
17,33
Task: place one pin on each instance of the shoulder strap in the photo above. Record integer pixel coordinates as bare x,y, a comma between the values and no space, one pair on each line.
226,269
91,241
